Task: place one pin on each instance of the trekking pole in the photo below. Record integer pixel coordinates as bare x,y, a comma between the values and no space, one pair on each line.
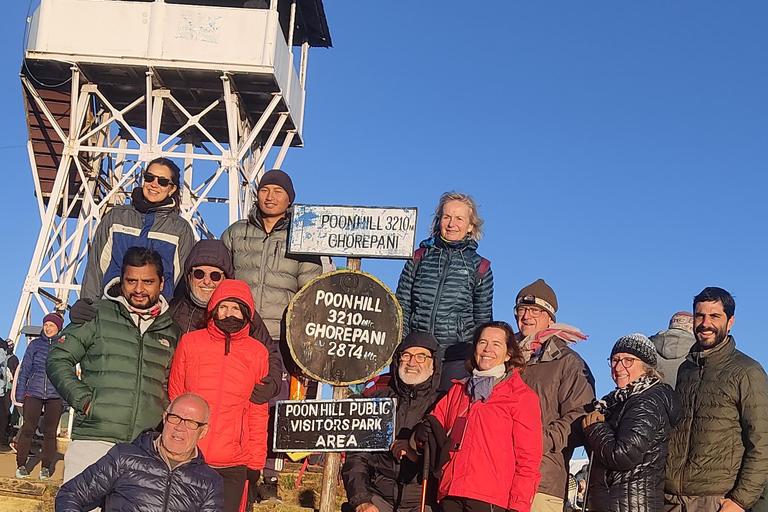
425,477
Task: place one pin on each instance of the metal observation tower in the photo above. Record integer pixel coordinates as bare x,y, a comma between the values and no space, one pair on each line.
216,85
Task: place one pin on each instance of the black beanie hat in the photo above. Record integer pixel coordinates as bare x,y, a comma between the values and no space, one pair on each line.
281,179
539,293
419,339
638,345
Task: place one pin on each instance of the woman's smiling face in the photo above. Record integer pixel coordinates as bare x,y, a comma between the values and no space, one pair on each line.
491,348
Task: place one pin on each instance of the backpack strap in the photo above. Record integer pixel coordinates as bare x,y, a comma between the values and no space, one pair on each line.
485,266
417,256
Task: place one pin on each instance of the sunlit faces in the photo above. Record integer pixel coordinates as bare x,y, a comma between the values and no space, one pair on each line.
228,308
710,324
202,289
179,440
531,319
455,222
50,329
416,365
273,200
141,286
153,191
491,349
625,368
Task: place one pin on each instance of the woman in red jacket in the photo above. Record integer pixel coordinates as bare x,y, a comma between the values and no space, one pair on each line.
222,363
493,424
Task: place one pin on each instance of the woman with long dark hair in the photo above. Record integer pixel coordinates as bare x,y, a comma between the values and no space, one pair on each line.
628,432
151,220
491,424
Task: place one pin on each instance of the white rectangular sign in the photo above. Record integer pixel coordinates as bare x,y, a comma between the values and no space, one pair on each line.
353,231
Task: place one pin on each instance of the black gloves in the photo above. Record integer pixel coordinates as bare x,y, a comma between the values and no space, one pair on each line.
422,432
262,393
82,311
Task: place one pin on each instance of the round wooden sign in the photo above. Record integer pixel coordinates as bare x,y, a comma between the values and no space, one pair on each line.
343,327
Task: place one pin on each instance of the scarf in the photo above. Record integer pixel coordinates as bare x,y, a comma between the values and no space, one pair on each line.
614,400
229,326
480,385
143,206
532,344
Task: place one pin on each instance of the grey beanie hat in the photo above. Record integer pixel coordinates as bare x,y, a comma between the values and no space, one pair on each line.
638,345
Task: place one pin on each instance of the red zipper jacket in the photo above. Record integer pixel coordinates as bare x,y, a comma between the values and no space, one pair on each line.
238,427
499,458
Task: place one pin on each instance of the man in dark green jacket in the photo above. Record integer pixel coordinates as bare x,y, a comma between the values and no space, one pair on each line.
718,453
125,355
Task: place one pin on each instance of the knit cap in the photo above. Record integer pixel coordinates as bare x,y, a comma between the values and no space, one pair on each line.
682,320
539,293
281,179
638,345
54,319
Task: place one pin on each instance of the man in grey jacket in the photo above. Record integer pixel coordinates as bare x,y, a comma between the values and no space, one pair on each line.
673,344
259,252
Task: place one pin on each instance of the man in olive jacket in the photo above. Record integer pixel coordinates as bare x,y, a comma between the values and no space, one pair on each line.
125,355
718,453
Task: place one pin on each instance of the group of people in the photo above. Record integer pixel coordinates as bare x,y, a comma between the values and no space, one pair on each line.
179,352
498,412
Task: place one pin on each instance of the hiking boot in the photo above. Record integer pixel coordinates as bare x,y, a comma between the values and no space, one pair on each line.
45,473
268,491
21,472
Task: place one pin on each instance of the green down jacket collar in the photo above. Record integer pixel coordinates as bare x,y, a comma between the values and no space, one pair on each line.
715,355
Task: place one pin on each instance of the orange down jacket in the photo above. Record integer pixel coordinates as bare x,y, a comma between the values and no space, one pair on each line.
499,458
238,427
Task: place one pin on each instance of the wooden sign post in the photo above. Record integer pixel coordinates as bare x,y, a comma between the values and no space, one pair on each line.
343,327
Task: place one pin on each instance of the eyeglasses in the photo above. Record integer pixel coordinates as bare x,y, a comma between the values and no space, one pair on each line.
175,419
534,312
162,181
420,358
626,362
200,274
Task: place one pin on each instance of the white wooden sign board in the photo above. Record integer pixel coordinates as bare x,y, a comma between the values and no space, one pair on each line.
353,231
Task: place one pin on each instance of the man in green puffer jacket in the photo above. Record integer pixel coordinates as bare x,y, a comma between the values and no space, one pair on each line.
718,453
125,355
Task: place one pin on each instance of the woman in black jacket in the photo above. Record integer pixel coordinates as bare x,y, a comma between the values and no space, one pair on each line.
628,432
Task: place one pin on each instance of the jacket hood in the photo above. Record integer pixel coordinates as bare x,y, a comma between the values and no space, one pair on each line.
673,343
232,289
210,253
416,339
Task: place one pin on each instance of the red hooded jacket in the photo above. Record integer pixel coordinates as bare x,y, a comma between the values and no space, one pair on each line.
238,427
500,454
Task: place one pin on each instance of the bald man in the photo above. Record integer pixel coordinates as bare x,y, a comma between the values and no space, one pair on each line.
157,471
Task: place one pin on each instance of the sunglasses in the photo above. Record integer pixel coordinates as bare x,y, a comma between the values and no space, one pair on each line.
163,182
200,274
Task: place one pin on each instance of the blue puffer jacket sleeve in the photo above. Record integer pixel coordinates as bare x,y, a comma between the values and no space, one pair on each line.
25,372
87,490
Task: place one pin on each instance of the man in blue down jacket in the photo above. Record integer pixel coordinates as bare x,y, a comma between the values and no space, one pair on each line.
156,472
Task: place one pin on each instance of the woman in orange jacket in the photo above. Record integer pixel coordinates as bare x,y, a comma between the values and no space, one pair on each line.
222,363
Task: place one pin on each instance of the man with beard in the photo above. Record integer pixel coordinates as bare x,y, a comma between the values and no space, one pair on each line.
390,481
125,355
718,453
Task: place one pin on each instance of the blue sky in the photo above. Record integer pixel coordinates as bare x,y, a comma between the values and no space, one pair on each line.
616,149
